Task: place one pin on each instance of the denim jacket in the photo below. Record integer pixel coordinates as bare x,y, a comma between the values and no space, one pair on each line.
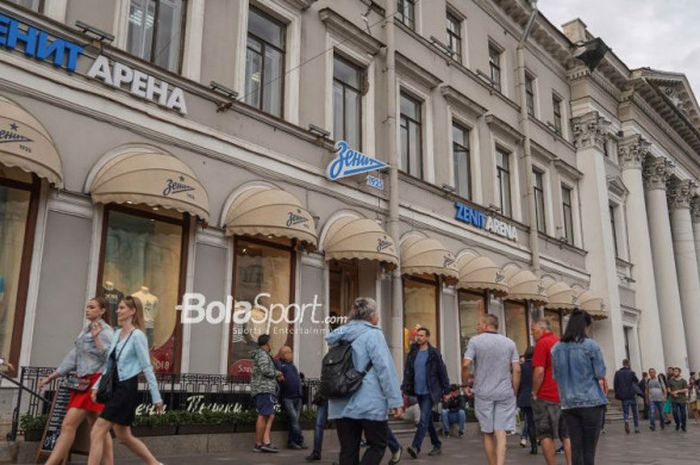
85,358
134,358
577,367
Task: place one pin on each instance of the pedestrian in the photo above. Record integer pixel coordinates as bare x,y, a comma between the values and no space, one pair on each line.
394,447
496,381
545,394
83,366
453,412
678,389
263,389
525,402
642,394
578,368
693,404
290,396
128,357
625,385
321,404
365,411
655,392
425,376
668,409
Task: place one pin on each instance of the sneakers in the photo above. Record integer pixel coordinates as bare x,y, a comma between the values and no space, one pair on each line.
294,446
435,451
461,434
523,442
446,433
627,428
257,448
396,456
269,448
636,431
412,452
314,457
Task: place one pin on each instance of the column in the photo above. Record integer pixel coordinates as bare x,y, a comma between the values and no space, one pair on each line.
679,196
590,132
695,214
656,172
631,152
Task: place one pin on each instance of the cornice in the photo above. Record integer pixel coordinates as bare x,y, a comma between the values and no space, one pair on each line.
568,169
300,4
408,68
461,101
349,31
496,122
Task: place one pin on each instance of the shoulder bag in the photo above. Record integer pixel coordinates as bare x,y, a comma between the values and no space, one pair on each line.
105,390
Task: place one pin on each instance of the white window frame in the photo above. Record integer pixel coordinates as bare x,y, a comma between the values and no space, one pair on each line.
549,228
463,55
514,168
535,93
620,226
474,151
575,219
426,126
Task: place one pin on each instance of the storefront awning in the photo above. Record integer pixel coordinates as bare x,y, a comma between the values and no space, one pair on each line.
352,237
153,178
423,256
524,285
561,295
269,211
480,273
592,304
27,145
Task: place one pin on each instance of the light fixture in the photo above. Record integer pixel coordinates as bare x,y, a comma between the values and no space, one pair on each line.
222,89
99,34
494,208
319,131
448,188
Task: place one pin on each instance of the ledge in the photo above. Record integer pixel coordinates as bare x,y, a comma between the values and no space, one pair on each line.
493,120
461,101
406,67
349,31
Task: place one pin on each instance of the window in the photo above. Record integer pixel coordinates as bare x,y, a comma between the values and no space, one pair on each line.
347,102
420,309
32,5
517,327
411,136
495,66
454,36
614,230
472,306
555,321
343,287
142,256
538,186
503,177
406,13
461,162
260,267
530,94
156,31
567,209
556,104
19,193
264,63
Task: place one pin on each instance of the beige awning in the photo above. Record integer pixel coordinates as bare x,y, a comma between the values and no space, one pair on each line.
524,285
361,238
27,145
561,295
480,273
591,303
423,256
153,178
269,211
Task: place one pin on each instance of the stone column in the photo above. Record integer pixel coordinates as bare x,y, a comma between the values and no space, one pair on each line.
631,153
695,214
657,172
679,195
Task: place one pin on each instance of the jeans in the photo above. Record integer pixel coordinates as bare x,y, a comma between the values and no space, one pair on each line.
321,420
529,430
293,409
680,413
391,441
426,423
654,407
626,406
350,434
584,426
449,418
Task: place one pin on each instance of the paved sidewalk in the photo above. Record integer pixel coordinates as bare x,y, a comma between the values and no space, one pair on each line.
616,448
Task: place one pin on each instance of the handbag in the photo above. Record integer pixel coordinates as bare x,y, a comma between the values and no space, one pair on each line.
74,382
105,389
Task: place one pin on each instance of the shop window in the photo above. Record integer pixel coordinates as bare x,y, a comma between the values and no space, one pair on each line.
348,82
156,31
472,306
266,268
555,321
18,205
344,279
144,255
517,327
420,309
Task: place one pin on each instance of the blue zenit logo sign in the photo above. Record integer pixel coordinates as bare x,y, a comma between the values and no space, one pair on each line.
479,219
349,162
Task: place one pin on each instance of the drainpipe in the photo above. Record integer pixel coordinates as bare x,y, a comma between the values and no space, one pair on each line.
527,148
396,341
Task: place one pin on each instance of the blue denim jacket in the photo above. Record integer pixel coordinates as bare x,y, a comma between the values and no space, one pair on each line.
577,367
85,358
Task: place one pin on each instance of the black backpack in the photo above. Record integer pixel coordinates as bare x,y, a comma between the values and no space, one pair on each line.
339,378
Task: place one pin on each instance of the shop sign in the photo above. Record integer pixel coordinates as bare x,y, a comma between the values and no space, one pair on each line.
481,220
350,162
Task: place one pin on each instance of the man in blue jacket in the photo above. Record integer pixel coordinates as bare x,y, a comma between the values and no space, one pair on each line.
626,387
290,395
425,376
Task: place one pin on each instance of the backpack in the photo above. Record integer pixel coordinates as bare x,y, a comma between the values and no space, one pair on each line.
339,378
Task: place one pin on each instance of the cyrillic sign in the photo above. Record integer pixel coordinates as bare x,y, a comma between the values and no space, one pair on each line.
350,162
481,220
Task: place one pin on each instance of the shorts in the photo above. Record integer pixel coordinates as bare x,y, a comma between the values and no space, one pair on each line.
495,415
265,404
549,422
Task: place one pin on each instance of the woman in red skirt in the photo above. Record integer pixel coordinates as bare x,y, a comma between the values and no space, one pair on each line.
86,360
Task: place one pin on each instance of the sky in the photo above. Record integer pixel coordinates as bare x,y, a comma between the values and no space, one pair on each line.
660,34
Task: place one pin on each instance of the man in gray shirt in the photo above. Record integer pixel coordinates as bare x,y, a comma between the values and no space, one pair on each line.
497,378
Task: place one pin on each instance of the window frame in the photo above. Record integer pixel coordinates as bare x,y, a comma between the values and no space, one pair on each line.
613,227
467,151
539,193
557,113
435,333
569,235
455,35
401,12
499,177
530,93
409,120
39,7
361,91
495,56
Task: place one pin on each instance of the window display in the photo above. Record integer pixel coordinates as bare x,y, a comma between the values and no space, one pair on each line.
420,309
517,325
343,286
471,307
143,258
263,278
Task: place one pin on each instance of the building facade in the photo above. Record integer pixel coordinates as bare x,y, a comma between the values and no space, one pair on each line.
189,152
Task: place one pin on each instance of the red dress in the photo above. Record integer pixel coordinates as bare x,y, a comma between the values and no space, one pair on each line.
84,400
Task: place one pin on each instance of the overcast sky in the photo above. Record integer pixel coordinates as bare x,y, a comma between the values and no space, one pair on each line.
660,34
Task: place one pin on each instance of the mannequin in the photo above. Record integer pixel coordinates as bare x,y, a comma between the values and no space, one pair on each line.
150,311
112,296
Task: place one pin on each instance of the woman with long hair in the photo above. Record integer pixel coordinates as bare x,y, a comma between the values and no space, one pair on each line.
129,353
83,366
578,367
